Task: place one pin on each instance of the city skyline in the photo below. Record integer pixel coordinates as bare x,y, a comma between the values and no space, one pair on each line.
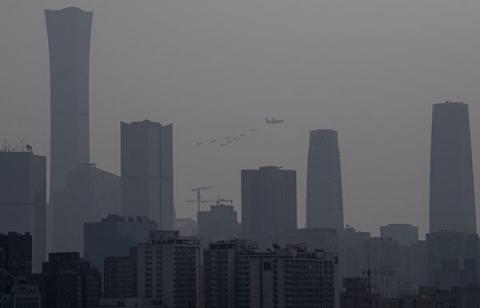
296,133
365,127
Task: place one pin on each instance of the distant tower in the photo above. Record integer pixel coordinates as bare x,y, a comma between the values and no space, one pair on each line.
452,198
69,46
147,172
269,202
324,181
23,197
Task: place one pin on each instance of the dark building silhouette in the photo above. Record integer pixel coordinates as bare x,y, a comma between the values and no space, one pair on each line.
221,261
453,259
324,181
23,197
16,254
186,226
69,48
89,195
460,297
404,234
114,236
70,281
237,275
120,276
269,202
357,293
147,172
168,270
219,223
452,198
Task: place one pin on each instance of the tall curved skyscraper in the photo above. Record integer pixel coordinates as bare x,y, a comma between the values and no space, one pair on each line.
452,197
69,48
324,181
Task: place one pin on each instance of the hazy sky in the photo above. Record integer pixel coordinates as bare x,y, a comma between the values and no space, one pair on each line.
369,68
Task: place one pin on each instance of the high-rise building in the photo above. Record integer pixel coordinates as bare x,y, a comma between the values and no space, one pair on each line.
357,293
221,261
324,181
147,172
168,270
89,195
186,226
70,281
113,237
453,259
404,234
237,276
16,254
120,276
68,32
452,197
269,202
23,197
219,223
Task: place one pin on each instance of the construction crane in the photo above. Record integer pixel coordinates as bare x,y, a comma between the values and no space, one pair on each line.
199,190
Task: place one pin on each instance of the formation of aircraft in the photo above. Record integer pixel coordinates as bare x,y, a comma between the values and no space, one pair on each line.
228,140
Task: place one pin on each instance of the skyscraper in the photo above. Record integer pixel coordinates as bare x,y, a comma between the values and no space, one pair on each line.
269,202
219,223
452,198
114,236
147,172
89,195
168,270
69,47
324,181
23,186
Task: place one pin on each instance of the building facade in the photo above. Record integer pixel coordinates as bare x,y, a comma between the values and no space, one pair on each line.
147,172
269,202
89,195
324,181
23,198
219,223
69,281
113,236
169,270
120,276
223,273
452,197
404,234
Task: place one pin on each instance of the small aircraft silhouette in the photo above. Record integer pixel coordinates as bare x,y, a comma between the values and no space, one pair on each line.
273,121
199,143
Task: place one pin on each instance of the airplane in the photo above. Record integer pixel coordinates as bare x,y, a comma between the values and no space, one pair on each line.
199,143
223,144
273,121
213,141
